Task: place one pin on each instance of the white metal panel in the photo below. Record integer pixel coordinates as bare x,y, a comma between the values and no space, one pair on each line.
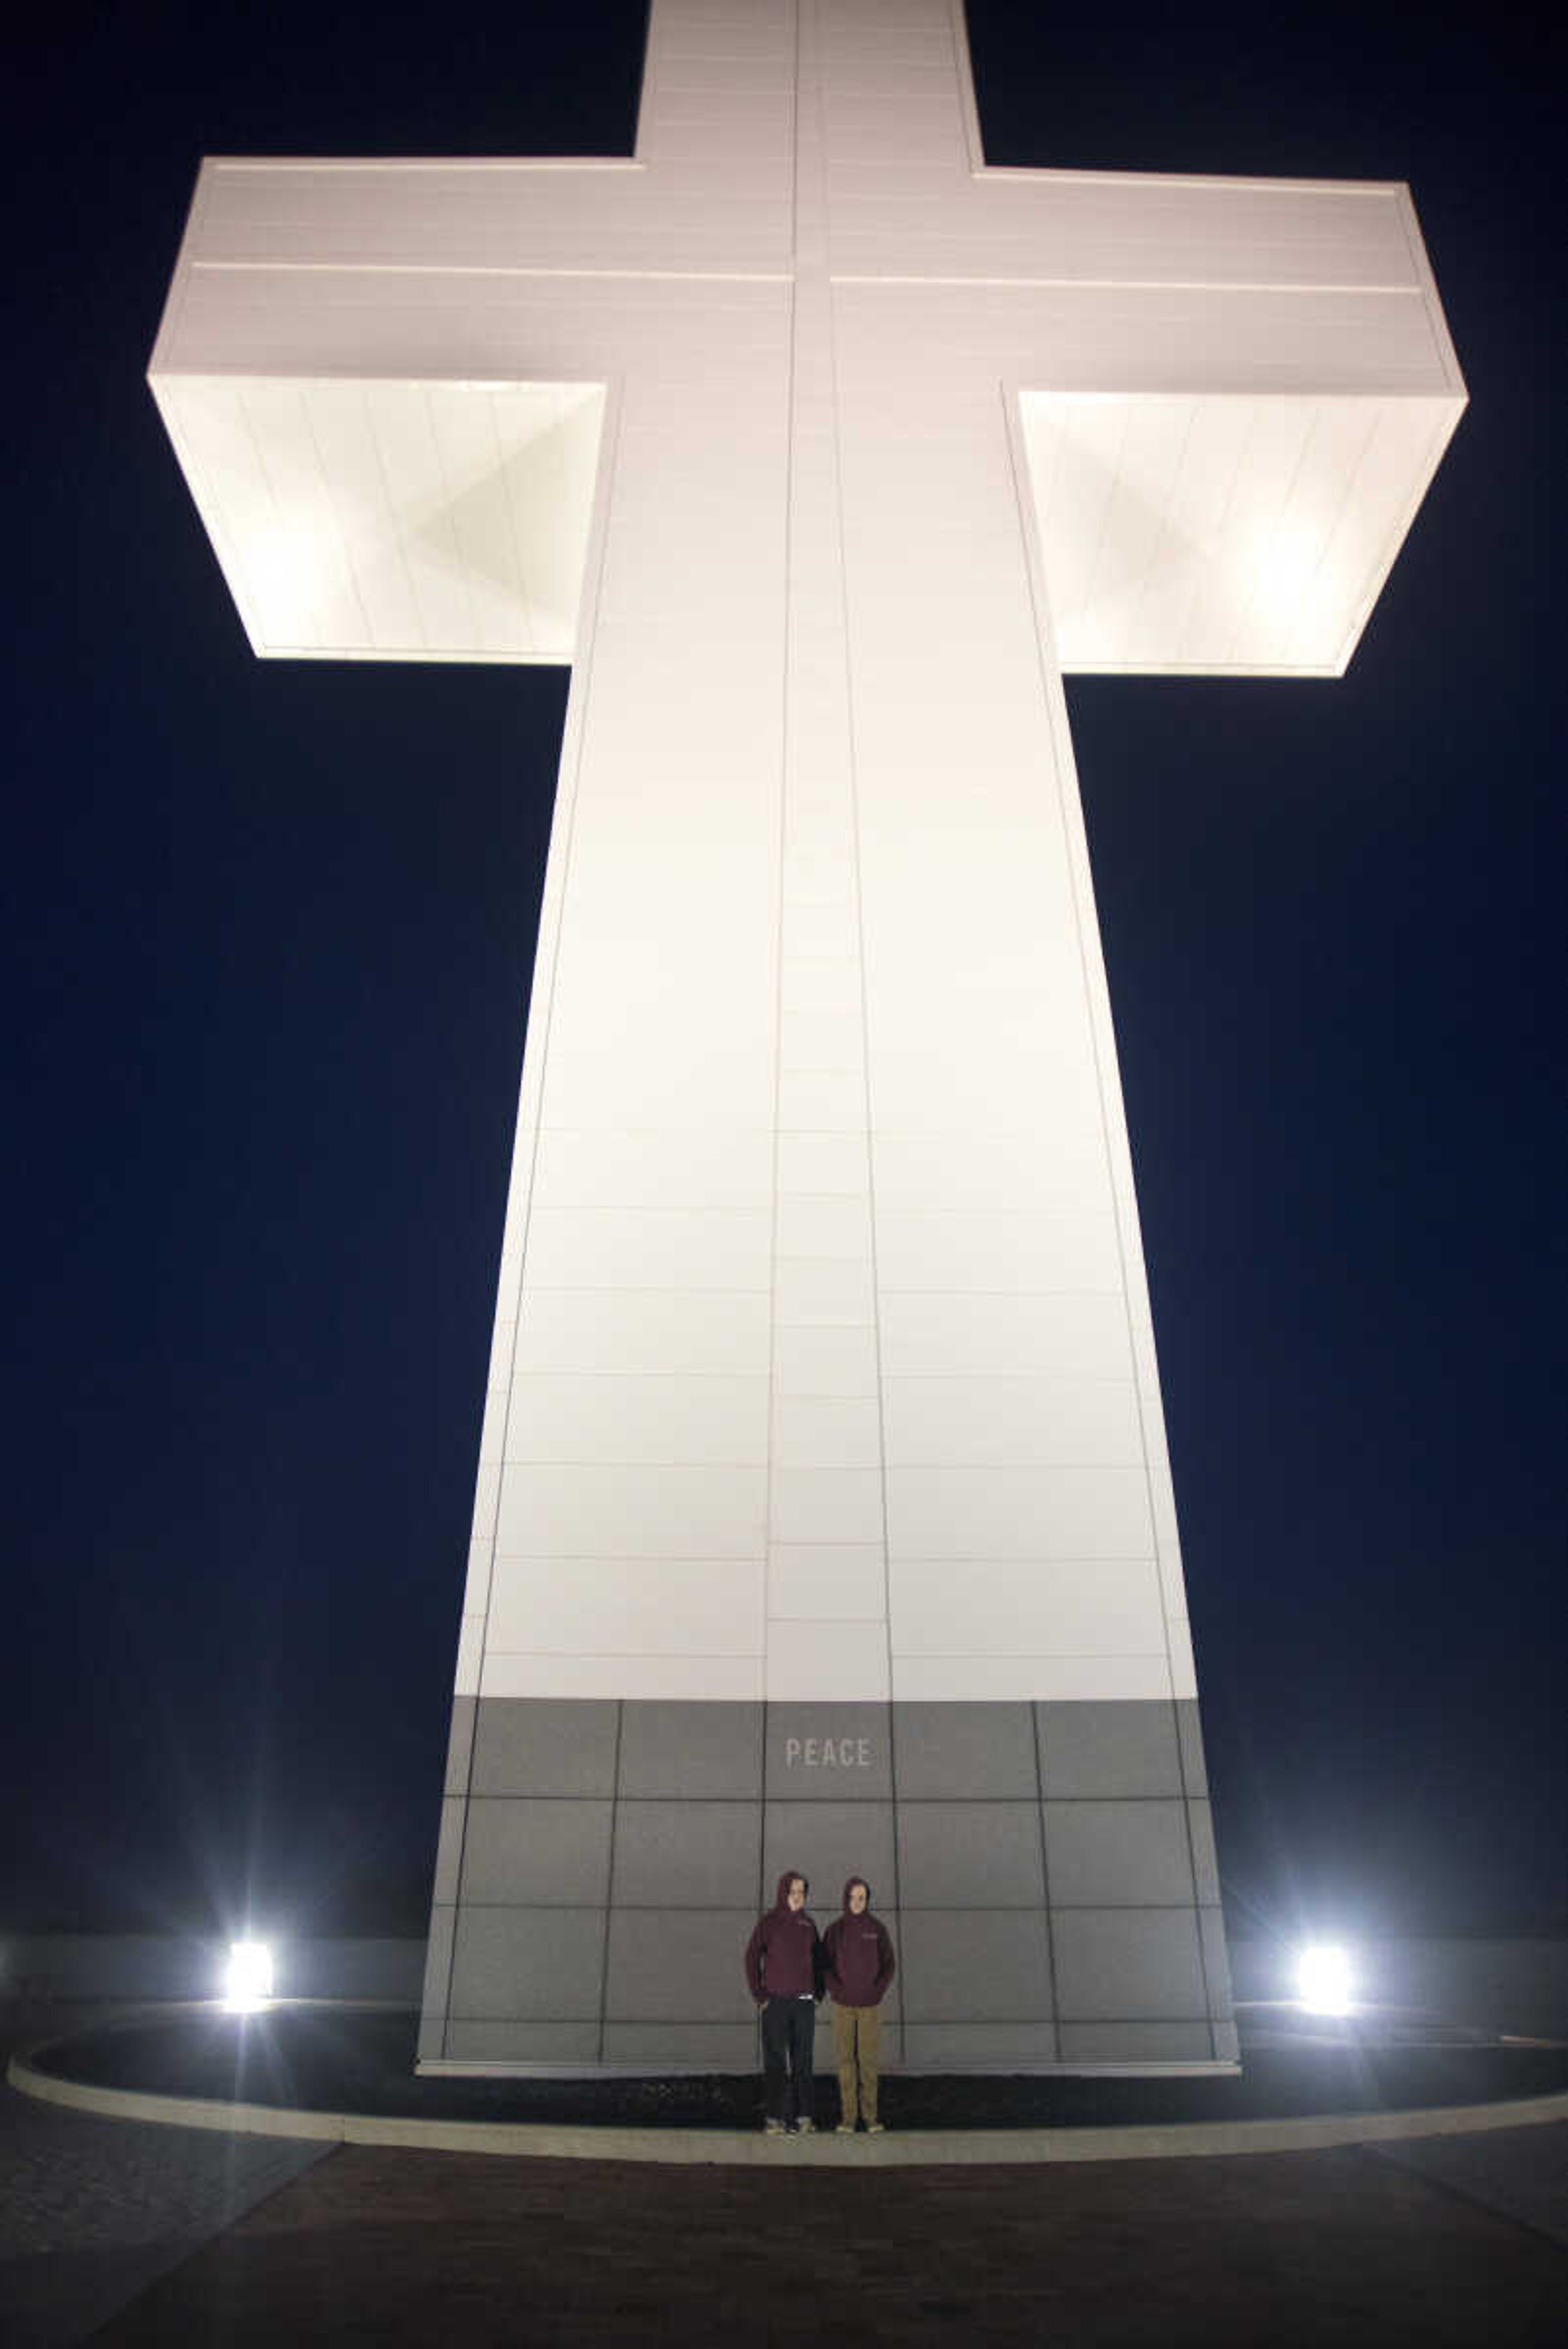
1012,1422
828,1582
1064,1606
609,1330
626,1416
632,1511
825,1505
1221,534
643,1169
1017,1677
958,1513
824,1228
813,1662
371,520
818,1358
1000,1336
649,1248
823,1290
1066,1168
607,1606
1021,1251
713,1677
828,1431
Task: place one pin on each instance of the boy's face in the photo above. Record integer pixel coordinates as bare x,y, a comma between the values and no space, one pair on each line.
857,1900
796,1894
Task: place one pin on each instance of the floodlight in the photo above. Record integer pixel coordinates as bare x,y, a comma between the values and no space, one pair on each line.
248,1984
1324,1980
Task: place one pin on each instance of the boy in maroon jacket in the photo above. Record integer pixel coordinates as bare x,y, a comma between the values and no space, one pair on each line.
859,1958
783,1958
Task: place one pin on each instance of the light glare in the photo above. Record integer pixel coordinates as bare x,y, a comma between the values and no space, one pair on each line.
249,1981
1324,1980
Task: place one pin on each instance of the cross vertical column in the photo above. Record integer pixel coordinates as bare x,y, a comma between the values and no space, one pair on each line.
827,1553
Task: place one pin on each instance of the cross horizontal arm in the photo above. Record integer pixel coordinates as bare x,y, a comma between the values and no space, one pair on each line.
1242,382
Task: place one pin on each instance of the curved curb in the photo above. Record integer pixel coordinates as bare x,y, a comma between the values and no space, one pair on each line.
913,2148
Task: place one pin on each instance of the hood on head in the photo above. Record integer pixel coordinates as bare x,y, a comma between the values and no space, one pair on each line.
785,1880
850,1885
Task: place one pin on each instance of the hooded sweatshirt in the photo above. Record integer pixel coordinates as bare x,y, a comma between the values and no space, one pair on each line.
859,1953
781,1956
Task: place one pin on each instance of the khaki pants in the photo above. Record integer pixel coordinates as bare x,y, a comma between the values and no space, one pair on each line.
857,2035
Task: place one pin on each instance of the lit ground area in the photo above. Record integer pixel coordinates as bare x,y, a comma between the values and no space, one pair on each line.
336,2059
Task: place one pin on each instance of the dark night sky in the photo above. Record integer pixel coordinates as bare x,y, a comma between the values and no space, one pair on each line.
269,929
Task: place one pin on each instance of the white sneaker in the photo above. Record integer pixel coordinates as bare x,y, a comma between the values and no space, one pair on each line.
805,2126
772,2129
845,2129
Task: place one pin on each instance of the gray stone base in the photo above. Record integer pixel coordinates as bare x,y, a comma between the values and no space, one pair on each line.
1047,1872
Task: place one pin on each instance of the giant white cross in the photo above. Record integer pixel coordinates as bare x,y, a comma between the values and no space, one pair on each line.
823,1364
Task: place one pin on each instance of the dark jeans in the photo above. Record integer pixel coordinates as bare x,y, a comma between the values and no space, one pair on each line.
789,2025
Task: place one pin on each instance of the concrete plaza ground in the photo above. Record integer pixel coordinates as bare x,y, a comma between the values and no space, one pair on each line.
133,2234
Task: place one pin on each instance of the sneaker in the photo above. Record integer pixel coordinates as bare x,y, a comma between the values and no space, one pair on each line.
875,2128
805,2126
845,2129
772,2129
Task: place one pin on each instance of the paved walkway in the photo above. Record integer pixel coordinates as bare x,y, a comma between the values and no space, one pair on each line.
91,2211
414,2248
197,2238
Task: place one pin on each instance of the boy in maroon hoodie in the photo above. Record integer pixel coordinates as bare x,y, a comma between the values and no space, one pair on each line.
858,1953
783,1969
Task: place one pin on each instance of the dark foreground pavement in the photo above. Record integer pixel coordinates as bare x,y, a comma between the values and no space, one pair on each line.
1322,2248
92,2211
188,2237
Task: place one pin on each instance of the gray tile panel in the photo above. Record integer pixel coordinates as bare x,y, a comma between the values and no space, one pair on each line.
692,1750
1108,1747
449,1850
494,2042
978,1854
829,1842
1113,1854
1205,1859
438,1965
973,1965
716,2046
527,1851
828,1752
1127,1964
679,1965
1194,1769
1216,1962
1136,2043
991,2044
459,1744
676,1854
544,1745
952,1749
528,1964
690,1850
